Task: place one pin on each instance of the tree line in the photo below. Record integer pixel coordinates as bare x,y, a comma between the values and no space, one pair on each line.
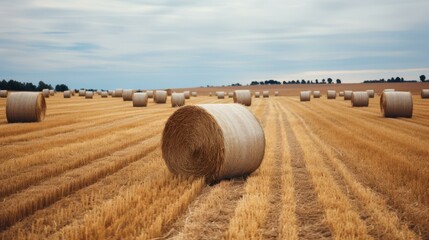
28,86
303,81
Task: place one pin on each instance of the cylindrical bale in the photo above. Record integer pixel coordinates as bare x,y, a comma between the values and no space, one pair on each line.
140,99
257,94
194,94
160,96
370,93
110,92
3,93
305,96
243,97
177,99
67,94
396,104
341,94
316,94
389,90
118,92
104,94
265,94
217,141
220,95
25,107
89,94
425,93
187,94
52,92
230,94
45,93
331,94
82,93
127,94
72,92
169,91
276,93
149,94
210,94
348,95
360,99
99,92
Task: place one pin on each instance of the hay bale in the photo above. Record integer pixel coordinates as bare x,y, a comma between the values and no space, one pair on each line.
52,92
118,92
331,94
210,94
160,96
389,90
3,93
425,93
99,92
266,94
177,99
89,94
360,99
316,94
104,94
243,97
396,104
348,95
25,107
82,93
305,96
140,99
45,93
220,95
169,91
67,94
216,141
230,94
187,94
257,94
276,93
341,94
149,94
127,94
110,92
370,93
193,94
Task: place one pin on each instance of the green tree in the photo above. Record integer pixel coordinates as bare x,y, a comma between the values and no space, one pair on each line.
338,81
422,78
329,80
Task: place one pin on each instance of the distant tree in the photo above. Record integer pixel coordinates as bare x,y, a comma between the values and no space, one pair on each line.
422,78
397,79
261,82
284,82
402,79
303,81
61,88
329,80
323,81
43,85
308,81
338,81
317,81
293,81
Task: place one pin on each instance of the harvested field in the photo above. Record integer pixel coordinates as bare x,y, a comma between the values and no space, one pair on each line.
94,170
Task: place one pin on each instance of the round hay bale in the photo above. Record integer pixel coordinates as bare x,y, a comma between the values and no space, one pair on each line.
276,93
341,94
110,92
230,94
104,94
160,96
82,93
187,94
210,94
89,94
169,91
266,94
220,95
127,94
389,90
396,104
316,94
67,94
348,95
331,94
140,99
194,94
3,93
425,93
52,92
257,94
370,93
46,93
243,97
177,99
25,107
99,92
149,94
118,92
360,99
216,141
305,96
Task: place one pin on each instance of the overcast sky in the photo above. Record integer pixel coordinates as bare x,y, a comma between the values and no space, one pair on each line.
184,43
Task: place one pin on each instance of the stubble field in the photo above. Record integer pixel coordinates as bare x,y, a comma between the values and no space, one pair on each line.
93,169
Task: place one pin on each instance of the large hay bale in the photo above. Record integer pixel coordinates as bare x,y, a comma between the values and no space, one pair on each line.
360,99
193,94
52,92
127,94
104,94
82,93
230,94
331,94
118,92
140,99
220,95
177,99
169,91
425,93
276,93
370,93
89,94
25,107
160,96
45,93
67,94
72,92
99,92
341,94
348,95
396,104
265,94
389,90
243,97
305,96
110,92
316,94
187,94
257,94
3,93
216,141
149,94
210,94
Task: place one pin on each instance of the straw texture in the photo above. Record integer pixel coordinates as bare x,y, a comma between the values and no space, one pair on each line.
305,96
389,90
110,92
169,91
187,94
82,93
160,96
127,94
25,107
67,94
104,94
425,93
243,97
210,94
177,99
220,95
194,94
341,94
360,99
140,99
149,94
396,104
3,93
89,94
331,94
265,94
316,94
257,94
216,141
371,93
99,92
52,92
118,92
45,93
276,93
348,95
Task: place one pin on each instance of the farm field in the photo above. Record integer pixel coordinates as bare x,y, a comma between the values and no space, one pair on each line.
93,169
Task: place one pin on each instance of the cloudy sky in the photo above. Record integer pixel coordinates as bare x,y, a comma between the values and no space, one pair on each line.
184,43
